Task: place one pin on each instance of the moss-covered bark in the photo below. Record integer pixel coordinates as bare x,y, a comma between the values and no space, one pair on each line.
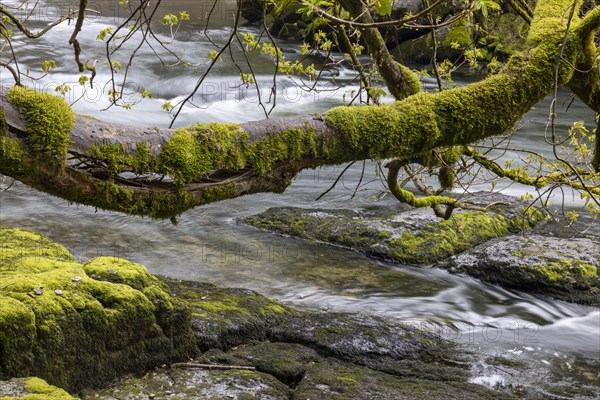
211,162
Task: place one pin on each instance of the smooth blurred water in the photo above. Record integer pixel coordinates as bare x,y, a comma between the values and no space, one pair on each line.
208,245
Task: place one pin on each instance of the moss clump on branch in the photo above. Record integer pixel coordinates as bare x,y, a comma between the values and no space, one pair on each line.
289,145
195,152
81,325
49,121
10,149
377,132
117,160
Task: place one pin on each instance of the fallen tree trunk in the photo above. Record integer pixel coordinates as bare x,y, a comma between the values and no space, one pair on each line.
163,172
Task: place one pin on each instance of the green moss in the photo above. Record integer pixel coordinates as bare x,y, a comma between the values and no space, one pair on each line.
112,196
115,159
38,389
558,271
111,155
166,205
449,237
49,121
289,145
74,330
459,33
118,270
195,152
220,192
377,132
3,124
142,159
11,152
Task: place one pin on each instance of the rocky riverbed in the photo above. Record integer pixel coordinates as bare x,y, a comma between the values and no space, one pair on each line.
107,329
499,247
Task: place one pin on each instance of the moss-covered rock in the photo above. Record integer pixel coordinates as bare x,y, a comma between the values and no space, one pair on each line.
226,317
504,34
82,325
413,237
31,389
566,269
300,374
377,343
334,380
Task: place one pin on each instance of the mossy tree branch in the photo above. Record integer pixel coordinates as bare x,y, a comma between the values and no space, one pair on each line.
400,80
163,172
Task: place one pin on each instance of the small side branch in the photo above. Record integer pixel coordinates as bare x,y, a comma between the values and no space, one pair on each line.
212,366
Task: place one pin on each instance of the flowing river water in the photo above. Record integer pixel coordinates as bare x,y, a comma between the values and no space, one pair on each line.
208,245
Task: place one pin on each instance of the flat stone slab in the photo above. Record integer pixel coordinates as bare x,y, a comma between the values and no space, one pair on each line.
413,237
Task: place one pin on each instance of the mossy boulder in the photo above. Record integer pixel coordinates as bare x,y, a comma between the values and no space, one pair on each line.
377,343
226,317
284,20
253,10
82,325
414,237
451,42
565,269
503,35
31,389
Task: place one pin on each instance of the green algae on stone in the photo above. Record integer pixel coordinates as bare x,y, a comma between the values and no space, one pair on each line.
49,121
190,383
60,324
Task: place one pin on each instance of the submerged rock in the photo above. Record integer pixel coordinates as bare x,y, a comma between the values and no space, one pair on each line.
116,318
565,269
414,237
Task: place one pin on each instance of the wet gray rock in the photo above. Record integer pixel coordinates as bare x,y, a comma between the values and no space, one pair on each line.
415,237
223,318
300,374
334,380
195,384
378,343
288,362
565,269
